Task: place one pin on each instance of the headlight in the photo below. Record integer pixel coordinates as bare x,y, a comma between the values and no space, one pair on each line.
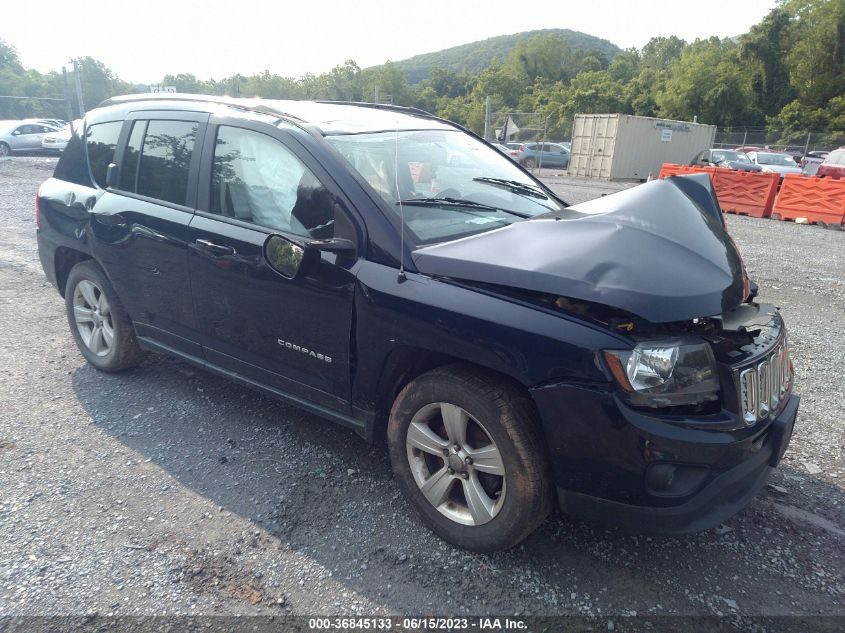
665,373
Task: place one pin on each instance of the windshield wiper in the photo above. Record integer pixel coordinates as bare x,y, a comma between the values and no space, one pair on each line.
457,202
515,186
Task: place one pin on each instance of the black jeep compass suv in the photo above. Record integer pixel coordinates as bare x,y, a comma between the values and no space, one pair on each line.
392,272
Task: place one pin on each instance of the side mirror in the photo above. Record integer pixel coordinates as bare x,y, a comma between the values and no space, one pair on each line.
705,161
283,255
112,176
16,133
287,257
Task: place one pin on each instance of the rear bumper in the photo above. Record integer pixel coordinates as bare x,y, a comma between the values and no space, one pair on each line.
47,255
723,496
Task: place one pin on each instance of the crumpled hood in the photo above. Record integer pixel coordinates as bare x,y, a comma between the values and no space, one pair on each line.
659,250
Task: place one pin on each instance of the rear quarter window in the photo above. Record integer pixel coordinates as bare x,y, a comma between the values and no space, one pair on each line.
102,141
72,166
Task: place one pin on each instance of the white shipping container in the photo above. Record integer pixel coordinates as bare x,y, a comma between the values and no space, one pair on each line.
628,147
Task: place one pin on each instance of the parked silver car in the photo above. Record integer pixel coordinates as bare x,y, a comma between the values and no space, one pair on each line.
22,136
777,162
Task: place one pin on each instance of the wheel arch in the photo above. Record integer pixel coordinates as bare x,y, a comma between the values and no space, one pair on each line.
64,261
406,363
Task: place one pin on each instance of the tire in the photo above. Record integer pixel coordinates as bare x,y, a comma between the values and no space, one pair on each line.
5,150
98,321
529,163
500,431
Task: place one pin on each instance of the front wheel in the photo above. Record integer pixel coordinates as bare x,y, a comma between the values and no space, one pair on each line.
5,150
467,452
98,321
529,163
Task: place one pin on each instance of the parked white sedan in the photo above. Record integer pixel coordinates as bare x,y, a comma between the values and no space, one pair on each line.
57,141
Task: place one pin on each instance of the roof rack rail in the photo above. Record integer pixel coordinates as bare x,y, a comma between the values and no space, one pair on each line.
252,105
383,106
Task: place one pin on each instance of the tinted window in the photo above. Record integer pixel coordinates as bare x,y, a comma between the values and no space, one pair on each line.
256,179
72,166
129,166
102,139
165,159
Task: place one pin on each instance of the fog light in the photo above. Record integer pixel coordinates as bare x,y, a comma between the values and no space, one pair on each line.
674,480
660,477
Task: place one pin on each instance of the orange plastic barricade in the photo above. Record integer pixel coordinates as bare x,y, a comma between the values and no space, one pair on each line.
820,200
745,192
671,169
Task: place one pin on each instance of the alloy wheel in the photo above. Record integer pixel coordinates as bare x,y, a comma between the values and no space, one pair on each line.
93,317
456,464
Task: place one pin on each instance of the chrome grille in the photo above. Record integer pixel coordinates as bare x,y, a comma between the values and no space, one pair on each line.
764,385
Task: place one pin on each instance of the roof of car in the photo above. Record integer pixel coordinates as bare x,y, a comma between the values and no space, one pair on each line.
329,117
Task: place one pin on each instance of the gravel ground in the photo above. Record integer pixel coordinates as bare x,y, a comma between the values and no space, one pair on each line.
167,490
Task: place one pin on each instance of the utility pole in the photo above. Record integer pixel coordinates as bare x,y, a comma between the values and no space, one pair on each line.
78,88
807,144
487,118
375,94
68,102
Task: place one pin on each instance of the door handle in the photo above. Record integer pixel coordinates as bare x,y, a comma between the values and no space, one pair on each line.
216,249
108,219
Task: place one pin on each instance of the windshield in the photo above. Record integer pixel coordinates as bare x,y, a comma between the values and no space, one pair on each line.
726,155
784,160
450,184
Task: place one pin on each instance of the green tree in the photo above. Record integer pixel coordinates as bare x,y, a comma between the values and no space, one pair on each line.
763,49
706,82
816,58
98,82
547,56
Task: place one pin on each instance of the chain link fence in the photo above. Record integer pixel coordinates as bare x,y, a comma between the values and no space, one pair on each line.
516,127
789,141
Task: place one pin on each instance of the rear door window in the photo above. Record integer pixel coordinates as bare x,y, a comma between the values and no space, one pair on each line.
101,141
166,159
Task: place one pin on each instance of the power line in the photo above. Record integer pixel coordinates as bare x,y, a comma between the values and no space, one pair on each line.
36,98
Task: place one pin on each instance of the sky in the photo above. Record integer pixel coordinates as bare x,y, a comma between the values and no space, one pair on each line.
143,41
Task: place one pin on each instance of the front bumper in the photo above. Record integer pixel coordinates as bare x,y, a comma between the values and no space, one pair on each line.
603,455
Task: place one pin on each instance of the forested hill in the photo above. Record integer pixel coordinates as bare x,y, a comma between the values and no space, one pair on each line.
476,56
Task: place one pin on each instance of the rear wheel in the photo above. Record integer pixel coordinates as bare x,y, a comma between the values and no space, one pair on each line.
5,150
99,323
467,452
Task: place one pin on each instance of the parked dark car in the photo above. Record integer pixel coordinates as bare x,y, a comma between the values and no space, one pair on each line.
726,158
516,353
533,155
834,165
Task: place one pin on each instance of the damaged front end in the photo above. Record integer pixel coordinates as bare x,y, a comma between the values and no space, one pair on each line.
659,251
